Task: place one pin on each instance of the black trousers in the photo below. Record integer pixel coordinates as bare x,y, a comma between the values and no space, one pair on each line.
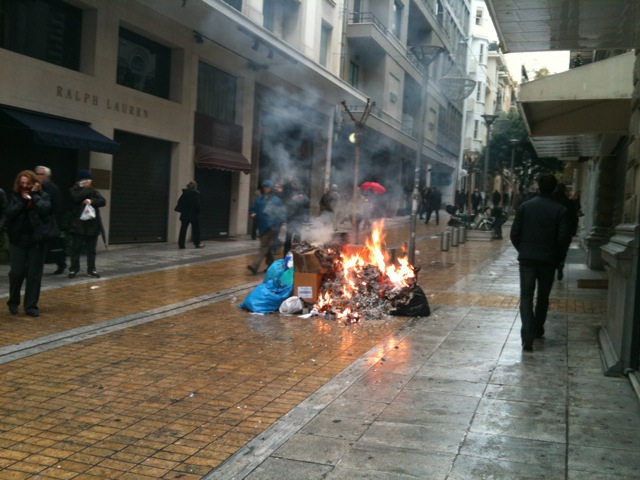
195,232
534,274
430,211
90,242
26,263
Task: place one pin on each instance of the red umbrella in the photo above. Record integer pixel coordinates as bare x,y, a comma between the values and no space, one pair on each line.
373,186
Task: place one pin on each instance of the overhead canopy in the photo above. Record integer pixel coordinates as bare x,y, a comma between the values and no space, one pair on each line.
63,133
221,159
580,112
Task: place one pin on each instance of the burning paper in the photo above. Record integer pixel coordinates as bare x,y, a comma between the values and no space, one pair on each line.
366,282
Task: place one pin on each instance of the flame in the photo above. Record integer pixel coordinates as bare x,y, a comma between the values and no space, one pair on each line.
355,274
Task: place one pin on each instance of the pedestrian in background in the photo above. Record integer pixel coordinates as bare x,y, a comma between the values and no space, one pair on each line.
560,196
297,205
84,232
56,249
540,234
28,207
496,198
189,208
3,207
433,205
476,200
268,210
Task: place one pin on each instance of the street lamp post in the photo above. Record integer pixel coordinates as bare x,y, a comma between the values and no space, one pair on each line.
425,54
489,119
514,142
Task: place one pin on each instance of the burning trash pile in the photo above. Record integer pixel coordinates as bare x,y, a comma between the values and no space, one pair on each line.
364,283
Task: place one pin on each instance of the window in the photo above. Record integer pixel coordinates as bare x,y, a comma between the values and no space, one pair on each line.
397,19
476,129
325,39
354,74
237,4
357,10
216,93
479,92
269,14
49,30
479,16
481,54
143,64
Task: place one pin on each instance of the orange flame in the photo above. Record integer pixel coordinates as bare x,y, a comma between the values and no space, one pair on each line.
354,282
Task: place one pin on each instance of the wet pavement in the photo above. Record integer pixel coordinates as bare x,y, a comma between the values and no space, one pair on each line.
153,372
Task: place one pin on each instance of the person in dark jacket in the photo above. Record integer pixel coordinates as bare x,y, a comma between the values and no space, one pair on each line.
434,204
560,196
26,244
476,200
540,234
269,211
56,250
189,208
84,232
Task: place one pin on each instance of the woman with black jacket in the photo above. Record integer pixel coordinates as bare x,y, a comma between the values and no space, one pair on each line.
28,208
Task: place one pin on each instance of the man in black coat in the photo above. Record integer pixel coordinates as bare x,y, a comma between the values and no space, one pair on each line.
189,208
84,232
540,233
56,250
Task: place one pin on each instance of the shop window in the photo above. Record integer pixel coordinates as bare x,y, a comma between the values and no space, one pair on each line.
49,30
216,93
143,64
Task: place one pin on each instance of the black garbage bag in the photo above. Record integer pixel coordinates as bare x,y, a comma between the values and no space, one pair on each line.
416,305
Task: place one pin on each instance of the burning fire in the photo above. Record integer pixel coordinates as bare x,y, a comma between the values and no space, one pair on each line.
367,281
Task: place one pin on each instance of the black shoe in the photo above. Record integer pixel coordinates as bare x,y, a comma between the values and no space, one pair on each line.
72,273
93,273
560,274
200,245
252,270
13,310
181,248
540,333
527,347
60,270
32,312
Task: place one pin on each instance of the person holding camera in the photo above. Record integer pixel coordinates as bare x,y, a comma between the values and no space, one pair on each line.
85,227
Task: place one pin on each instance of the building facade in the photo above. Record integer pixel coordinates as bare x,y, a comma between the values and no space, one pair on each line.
149,95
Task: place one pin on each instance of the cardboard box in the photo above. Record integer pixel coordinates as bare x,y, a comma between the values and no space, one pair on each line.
307,262
306,285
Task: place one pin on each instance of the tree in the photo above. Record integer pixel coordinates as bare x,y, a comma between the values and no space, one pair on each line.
542,72
526,163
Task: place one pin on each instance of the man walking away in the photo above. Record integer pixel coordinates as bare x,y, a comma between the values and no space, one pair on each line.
540,234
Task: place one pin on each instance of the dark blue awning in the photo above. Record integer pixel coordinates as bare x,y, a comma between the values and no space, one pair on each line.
63,133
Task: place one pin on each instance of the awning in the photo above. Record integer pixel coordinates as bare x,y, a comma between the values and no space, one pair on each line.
221,159
63,133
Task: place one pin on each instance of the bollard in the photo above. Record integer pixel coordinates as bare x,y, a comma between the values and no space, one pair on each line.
455,237
444,241
463,234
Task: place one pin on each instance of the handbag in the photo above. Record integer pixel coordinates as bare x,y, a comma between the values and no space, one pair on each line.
88,213
44,229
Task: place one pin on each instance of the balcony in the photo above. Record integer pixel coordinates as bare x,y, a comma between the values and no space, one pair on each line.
371,40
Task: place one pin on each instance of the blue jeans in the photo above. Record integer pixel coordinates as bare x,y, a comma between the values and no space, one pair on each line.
531,273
